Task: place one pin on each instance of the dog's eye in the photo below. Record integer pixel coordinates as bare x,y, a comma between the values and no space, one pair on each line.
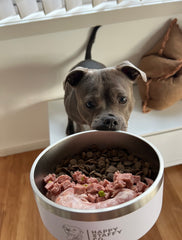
90,104
122,100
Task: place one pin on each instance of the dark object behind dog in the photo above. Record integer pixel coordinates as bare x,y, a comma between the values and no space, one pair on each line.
97,97
89,62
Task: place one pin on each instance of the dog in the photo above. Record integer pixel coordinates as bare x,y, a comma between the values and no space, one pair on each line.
72,232
99,97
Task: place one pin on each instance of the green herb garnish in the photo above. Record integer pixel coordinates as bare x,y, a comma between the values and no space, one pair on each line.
101,193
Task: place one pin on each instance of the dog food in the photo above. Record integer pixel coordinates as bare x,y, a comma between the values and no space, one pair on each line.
102,164
98,178
84,192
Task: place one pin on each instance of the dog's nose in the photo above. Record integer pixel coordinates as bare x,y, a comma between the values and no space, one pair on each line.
110,122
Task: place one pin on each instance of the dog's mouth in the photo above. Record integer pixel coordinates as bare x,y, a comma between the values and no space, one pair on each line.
109,123
103,128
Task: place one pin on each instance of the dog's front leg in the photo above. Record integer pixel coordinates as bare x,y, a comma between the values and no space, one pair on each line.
70,127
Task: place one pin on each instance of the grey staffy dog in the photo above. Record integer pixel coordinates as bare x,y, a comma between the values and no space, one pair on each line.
99,97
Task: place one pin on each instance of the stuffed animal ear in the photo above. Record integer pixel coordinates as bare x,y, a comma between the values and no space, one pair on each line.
74,77
131,71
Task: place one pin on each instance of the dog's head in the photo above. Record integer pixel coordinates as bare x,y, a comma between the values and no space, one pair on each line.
72,232
105,96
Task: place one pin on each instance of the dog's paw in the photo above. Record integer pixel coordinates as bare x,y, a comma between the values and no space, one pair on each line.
69,131
70,127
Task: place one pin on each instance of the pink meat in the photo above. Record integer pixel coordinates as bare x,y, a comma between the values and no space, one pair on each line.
92,180
63,178
92,198
126,178
49,185
50,177
149,181
79,177
94,188
79,189
67,184
89,193
141,186
69,199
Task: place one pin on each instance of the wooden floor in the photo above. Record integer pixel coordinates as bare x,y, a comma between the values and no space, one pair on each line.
20,220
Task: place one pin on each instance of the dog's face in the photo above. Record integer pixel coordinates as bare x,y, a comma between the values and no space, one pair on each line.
104,97
72,232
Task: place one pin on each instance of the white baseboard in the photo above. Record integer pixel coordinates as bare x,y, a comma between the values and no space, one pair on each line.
173,163
24,147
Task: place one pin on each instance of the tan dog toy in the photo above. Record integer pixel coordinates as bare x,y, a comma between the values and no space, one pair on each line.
163,67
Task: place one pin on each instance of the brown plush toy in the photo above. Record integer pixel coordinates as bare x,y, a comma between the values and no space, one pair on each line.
163,67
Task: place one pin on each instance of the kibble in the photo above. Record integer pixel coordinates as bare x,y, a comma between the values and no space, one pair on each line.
102,164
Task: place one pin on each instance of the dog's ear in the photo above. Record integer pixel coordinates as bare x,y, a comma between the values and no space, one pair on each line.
74,77
131,71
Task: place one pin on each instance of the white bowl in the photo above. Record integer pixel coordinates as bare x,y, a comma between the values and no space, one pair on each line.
127,221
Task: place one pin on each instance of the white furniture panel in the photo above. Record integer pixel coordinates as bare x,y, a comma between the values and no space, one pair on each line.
170,146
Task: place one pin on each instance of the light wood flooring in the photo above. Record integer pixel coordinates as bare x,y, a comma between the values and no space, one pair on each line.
20,220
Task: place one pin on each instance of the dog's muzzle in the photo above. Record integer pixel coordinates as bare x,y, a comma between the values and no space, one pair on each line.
107,122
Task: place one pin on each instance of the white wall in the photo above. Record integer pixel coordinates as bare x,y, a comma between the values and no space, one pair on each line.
32,69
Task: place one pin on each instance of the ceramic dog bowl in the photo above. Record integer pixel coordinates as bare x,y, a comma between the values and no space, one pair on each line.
127,221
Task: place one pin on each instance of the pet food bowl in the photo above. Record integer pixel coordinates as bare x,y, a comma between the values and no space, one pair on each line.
127,221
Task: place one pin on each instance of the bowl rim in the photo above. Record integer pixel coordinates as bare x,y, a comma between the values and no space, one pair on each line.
101,213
